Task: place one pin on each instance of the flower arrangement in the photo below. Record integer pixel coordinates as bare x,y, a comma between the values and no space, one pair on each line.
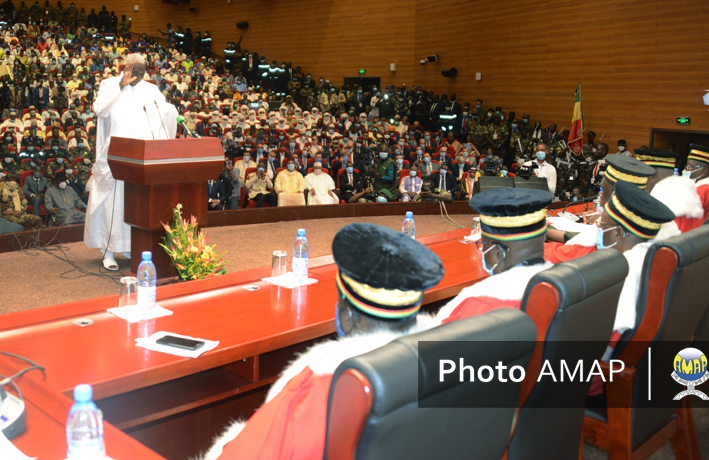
188,249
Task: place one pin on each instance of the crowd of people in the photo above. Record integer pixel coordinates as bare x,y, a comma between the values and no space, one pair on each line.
289,139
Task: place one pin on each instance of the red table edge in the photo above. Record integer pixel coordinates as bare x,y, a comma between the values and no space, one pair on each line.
100,304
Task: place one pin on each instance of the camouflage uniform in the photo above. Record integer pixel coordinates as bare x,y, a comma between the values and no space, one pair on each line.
501,132
566,173
54,166
527,150
81,19
70,15
83,170
76,152
12,168
586,166
36,12
26,220
476,134
125,28
22,13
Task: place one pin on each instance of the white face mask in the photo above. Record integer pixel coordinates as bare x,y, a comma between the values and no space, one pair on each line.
621,148
62,185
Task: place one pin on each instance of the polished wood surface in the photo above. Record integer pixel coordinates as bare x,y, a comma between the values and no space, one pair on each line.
152,396
47,412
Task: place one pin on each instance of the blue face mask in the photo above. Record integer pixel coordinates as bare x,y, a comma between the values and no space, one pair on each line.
514,125
291,167
399,161
541,156
30,148
55,147
60,160
489,157
381,199
271,158
427,160
33,164
485,266
340,332
428,138
350,169
599,239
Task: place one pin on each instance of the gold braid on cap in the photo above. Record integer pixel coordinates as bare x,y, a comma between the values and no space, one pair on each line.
514,221
699,152
660,159
390,297
634,217
626,177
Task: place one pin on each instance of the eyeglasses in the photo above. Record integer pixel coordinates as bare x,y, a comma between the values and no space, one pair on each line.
481,245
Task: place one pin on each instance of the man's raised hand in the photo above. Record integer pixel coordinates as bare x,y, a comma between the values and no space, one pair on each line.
127,78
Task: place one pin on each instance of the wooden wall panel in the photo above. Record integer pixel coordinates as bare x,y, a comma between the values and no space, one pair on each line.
642,63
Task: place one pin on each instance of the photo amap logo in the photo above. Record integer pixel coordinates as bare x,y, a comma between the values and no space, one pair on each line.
690,370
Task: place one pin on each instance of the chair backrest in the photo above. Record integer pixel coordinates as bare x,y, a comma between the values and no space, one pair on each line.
373,405
249,171
405,173
23,175
573,301
671,303
341,170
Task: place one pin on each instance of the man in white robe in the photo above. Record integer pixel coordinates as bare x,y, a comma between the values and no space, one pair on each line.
320,187
122,106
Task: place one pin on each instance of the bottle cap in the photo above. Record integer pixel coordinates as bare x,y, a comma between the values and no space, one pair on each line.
147,255
409,215
83,393
301,232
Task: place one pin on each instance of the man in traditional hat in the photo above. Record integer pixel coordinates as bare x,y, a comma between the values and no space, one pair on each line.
676,192
61,201
697,169
619,169
513,223
381,279
290,185
321,187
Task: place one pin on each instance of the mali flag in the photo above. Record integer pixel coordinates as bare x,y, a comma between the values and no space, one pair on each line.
576,134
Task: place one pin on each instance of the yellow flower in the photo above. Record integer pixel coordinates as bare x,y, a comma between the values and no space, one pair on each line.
194,249
205,257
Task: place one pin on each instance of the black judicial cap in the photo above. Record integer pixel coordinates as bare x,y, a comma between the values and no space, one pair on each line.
657,158
637,211
510,214
628,169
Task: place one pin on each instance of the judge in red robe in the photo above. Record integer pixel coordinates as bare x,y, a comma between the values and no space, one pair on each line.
381,280
697,169
513,224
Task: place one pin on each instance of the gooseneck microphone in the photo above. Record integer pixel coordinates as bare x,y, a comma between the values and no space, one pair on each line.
167,135
181,121
146,116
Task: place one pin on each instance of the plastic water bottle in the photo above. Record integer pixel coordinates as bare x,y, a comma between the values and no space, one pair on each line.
409,226
147,279
300,255
597,202
676,172
84,427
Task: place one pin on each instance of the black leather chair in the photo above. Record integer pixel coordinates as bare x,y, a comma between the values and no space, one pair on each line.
573,301
493,182
536,183
373,406
672,300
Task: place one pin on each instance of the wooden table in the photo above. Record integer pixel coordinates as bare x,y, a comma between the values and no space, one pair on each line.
176,405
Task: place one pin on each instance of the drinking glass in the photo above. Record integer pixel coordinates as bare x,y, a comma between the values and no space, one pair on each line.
128,295
279,264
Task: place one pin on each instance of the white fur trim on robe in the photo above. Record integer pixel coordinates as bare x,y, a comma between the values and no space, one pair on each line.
323,359
704,181
680,195
587,238
508,285
626,311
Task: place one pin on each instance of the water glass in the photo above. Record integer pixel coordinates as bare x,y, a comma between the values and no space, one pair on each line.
279,264
128,295
476,226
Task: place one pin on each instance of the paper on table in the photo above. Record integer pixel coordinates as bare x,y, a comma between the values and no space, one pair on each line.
8,451
290,281
565,225
135,313
472,237
149,343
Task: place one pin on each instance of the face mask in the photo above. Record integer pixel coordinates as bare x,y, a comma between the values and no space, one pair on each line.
70,171
383,155
399,161
444,171
331,131
260,169
427,160
541,156
477,106
413,173
466,154
80,145
428,138
318,160
489,157
514,125
485,266
349,169
465,114
55,147
87,161
8,139
62,185
60,160
291,167
36,175
599,239
381,199
8,159
621,148
246,158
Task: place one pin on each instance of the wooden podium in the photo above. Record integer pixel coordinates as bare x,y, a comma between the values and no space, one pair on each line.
158,175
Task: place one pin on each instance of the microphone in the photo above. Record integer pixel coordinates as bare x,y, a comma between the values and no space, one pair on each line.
574,217
181,121
167,136
146,116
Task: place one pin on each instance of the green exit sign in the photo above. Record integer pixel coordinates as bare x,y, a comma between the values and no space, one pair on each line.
362,71
682,120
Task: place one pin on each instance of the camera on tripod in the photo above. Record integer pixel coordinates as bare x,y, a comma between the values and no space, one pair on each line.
492,166
525,170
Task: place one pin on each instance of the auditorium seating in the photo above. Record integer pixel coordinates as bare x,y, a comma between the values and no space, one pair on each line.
573,306
373,405
671,301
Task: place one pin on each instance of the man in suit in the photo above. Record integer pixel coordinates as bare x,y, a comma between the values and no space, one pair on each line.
350,182
271,165
359,101
35,187
217,195
458,168
74,182
445,181
427,167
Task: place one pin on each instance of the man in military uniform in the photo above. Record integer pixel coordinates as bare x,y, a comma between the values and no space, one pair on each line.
479,111
521,145
22,13
15,206
59,163
566,167
71,15
589,147
10,165
476,133
497,134
35,11
599,170
125,27
84,167
81,18
79,150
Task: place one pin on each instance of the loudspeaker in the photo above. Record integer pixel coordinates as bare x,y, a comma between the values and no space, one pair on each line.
449,72
193,9
493,182
242,25
536,183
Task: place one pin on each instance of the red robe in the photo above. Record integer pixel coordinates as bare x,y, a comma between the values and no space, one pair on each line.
558,252
703,192
504,290
681,195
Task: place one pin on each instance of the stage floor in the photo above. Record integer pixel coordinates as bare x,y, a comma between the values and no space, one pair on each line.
36,278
